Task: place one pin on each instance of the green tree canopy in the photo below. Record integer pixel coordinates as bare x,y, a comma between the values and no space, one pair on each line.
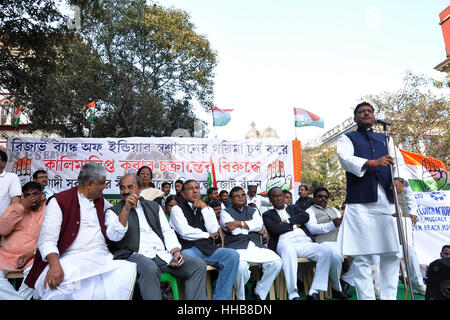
321,168
419,116
144,65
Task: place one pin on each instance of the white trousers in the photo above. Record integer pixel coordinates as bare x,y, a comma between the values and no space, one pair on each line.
270,271
389,266
414,266
328,264
8,292
117,284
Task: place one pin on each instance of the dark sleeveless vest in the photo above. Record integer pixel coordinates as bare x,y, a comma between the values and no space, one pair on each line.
70,207
130,242
196,220
372,146
241,241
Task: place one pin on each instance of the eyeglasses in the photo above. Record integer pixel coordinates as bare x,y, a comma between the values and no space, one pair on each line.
240,195
322,196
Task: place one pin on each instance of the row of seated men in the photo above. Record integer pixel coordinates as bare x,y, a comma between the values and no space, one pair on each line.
79,246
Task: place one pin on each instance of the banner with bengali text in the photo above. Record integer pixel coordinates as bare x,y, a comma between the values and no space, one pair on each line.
267,162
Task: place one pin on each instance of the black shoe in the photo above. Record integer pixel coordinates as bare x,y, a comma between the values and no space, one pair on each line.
346,288
296,298
314,296
338,295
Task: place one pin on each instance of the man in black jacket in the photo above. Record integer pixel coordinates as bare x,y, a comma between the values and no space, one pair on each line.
290,239
304,202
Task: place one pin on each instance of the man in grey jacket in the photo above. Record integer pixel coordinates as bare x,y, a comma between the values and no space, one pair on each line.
153,245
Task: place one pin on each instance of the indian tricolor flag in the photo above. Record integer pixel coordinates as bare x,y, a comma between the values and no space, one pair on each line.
305,118
90,112
16,117
220,116
426,174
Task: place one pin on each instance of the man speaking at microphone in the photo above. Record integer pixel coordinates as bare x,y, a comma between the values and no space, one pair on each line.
368,229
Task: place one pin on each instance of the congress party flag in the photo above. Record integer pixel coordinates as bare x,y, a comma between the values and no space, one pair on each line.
90,112
212,182
305,118
16,117
426,174
220,116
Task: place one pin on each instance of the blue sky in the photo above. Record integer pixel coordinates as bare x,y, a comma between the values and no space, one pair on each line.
322,55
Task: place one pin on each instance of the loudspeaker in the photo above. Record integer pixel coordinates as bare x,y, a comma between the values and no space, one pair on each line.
438,284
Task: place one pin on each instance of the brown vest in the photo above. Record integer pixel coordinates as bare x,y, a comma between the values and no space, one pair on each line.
70,207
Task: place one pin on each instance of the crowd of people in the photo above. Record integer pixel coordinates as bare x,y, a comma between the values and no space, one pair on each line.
76,245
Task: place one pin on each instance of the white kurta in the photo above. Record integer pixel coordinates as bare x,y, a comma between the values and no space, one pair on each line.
367,228
252,253
89,269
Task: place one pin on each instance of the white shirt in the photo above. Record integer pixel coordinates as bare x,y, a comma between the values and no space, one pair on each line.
319,228
296,233
89,237
10,187
179,223
367,228
254,225
354,164
150,244
260,202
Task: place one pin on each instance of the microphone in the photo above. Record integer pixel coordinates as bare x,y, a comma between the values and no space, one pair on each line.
384,123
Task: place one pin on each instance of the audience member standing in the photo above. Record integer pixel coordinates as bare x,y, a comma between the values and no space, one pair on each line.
10,190
368,228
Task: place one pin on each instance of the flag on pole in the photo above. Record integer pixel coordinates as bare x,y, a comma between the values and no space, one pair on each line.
305,118
16,117
90,112
220,116
425,174
212,182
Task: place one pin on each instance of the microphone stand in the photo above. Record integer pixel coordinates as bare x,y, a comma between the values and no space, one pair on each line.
398,216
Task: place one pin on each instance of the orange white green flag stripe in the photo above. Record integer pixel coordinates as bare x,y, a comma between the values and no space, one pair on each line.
426,174
16,117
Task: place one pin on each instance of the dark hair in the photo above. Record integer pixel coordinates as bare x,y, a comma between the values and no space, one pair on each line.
287,191
178,181
4,156
447,246
31,185
145,167
235,189
318,189
214,203
164,184
304,186
222,192
38,172
271,191
188,181
211,190
170,198
362,104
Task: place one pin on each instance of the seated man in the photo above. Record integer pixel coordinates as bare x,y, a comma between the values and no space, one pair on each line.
223,196
243,227
40,176
73,261
290,238
197,228
153,245
20,226
324,222
212,194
